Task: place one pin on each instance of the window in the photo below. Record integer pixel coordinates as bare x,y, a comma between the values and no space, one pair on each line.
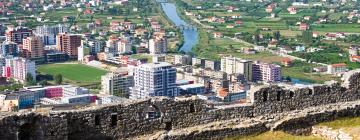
310,92
192,108
278,96
114,119
265,96
292,94
97,120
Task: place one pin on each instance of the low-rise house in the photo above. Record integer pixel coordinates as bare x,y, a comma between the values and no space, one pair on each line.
217,35
303,26
336,68
286,62
192,89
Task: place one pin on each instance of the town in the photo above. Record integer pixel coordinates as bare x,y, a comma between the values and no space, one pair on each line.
68,55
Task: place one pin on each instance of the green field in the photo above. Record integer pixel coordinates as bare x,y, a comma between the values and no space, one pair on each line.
351,28
74,73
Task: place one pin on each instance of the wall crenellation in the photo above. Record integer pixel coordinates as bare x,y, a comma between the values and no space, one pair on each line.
121,121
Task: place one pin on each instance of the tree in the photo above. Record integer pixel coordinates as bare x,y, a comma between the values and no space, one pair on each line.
29,79
43,82
277,35
58,79
307,36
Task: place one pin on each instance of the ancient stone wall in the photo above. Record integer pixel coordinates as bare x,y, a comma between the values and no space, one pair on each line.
121,121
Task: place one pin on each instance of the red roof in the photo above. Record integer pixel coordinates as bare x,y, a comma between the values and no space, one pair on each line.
339,65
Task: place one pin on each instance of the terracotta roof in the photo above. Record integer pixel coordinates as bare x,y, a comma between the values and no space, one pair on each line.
339,65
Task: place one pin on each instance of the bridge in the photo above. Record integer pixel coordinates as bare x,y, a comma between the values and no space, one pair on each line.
162,1
186,27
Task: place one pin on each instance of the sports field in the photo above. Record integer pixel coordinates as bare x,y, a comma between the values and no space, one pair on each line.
76,73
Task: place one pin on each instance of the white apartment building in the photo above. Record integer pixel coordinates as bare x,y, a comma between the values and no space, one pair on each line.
18,68
82,52
232,65
154,79
123,47
117,84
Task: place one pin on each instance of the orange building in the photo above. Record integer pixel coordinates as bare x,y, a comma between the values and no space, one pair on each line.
33,47
68,43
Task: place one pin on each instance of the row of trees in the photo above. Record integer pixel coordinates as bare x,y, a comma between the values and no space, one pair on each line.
30,80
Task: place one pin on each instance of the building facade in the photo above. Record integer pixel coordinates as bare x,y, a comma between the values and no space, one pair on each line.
154,79
68,43
117,84
33,47
232,65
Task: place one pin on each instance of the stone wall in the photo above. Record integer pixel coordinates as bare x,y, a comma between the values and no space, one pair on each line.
143,117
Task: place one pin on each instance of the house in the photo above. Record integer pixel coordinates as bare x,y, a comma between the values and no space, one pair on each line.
354,50
299,48
269,8
292,10
217,35
336,68
307,17
272,44
229,26
320,69
315,34
313,49
238,23
286,62
303,26
334,36
286,50
355,58
259,48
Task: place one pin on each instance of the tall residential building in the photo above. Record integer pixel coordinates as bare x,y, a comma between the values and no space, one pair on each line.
96,46
117,84
266,72
82,52
123,47
48,33
33,47
68,43
232,65
18,68
18,34
9,48
154,79
158,45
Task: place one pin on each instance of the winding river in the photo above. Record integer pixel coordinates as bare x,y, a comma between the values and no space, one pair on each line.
190,35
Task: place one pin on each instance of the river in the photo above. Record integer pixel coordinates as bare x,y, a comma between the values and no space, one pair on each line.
190,35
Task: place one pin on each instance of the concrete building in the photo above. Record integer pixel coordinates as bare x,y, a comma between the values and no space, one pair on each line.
18,68
69,91
95,46
123,47
213,65
9,48
232,65
48,33
68,43
192,89
158,45
154,79
182,59
33,47
82,52
79,99
117,84
18,100
266,72
17,34
336,68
